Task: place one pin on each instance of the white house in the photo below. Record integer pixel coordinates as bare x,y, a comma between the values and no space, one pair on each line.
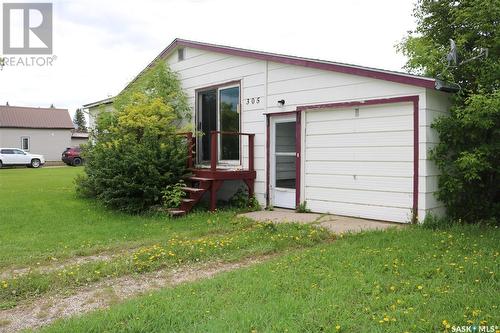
346,139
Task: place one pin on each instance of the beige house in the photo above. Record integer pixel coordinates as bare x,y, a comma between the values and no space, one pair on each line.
44,131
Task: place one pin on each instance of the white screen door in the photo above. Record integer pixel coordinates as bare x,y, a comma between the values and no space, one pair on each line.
283,161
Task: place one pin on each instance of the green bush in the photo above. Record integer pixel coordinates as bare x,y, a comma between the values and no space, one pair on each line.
137,152
468,158
240,200
173,195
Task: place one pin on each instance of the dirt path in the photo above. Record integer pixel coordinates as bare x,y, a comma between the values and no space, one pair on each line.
101,295
57,265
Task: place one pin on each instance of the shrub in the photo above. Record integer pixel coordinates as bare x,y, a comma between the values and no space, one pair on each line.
137,153
173,195
241,200
467,157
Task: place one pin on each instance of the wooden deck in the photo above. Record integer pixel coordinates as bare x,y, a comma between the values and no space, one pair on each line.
210,178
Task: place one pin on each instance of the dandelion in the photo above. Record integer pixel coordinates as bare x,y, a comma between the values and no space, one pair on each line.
337,327
420,287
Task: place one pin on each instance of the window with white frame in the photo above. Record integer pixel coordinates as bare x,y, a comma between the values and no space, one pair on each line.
25,143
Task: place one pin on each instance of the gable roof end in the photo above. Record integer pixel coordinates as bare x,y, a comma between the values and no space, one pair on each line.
403,78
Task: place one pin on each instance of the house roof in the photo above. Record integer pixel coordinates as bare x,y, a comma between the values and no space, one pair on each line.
77,134
30,117
375,73
97,103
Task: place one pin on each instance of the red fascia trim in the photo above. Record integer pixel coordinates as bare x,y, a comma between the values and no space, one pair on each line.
298,156
268,154
334,67
412,99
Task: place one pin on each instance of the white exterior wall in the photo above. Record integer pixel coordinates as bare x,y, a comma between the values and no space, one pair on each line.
47,142
298,86
436,104
94,111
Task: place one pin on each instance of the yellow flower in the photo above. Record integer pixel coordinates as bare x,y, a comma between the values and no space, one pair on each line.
420,287
446,324
337,327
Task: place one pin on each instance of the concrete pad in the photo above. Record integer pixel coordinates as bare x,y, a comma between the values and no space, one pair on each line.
282,216
334,223
342,224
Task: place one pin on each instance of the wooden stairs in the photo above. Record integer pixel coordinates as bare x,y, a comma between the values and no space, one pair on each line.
199,186
210,179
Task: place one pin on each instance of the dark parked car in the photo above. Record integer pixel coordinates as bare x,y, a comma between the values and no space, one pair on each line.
72,156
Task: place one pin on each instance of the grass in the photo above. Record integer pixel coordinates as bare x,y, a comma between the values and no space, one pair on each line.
42,220
412,280
37,231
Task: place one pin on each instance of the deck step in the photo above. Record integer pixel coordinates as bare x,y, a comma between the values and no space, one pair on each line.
188,200
177,212
193,189
199,179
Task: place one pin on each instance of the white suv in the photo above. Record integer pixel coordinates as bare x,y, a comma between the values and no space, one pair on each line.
15,156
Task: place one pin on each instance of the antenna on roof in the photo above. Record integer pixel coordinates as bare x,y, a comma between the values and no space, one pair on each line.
52,106
452,55
452,58
7,104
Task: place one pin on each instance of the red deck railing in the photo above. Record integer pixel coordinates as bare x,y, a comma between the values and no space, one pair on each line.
214,148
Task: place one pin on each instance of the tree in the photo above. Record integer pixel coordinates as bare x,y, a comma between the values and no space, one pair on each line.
79,121
468,153
137,153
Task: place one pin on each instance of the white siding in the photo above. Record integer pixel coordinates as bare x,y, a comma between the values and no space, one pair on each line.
360,166
379,145
436,104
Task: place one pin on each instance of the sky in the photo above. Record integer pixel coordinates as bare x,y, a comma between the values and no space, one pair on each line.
100,45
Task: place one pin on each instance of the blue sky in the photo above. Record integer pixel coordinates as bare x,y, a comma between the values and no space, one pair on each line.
101,45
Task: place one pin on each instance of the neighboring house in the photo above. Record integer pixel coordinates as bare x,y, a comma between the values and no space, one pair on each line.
94,108
346,139
79,138
44,131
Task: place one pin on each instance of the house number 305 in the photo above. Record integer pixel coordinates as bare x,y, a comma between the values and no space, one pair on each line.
253,100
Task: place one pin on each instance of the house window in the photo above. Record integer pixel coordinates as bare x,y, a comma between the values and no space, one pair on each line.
180,54
25,143
219,110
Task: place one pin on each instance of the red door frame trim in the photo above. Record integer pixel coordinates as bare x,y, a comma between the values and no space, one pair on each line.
413,99
297,153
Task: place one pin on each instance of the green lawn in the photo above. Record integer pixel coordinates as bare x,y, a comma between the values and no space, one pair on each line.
413,280
45,223
41,218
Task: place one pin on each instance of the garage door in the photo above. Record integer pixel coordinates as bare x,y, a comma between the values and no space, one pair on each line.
359,161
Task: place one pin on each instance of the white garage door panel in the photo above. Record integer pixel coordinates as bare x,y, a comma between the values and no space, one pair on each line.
380,124
390,199
360,166
367,212
361,154
398,109
403,138
385,184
